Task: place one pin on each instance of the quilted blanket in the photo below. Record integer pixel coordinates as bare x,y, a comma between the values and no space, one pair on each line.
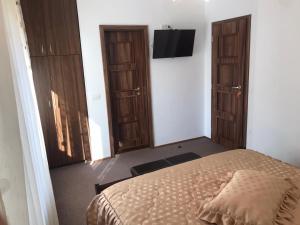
174,195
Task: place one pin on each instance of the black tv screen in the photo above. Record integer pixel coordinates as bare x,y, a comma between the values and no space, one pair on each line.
173,43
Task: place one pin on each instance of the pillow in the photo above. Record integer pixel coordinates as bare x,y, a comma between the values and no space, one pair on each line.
251,197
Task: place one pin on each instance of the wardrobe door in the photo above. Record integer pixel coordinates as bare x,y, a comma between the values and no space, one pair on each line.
42,83
35,26
71,30
73,81
62,27
69,110
74,85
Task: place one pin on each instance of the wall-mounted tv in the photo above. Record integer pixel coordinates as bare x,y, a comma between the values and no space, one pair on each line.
173,43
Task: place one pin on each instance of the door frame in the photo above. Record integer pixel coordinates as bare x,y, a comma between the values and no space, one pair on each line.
144,29
246,80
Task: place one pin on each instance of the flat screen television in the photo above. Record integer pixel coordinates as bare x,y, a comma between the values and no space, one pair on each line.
173,43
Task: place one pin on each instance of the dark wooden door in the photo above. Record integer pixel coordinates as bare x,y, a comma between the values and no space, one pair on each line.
68,109
33,14
52,27
61,26
230,65
42,83
61,99
126,64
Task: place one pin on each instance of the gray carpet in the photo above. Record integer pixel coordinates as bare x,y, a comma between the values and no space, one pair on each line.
74,185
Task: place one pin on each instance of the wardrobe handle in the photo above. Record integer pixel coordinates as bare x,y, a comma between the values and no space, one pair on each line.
51,50
43,51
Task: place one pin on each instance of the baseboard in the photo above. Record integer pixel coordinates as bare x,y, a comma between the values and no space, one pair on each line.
183,141
159,146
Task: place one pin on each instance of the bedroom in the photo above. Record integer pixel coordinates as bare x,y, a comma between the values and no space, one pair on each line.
180,88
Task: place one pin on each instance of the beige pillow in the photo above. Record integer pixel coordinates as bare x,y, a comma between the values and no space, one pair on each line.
251,197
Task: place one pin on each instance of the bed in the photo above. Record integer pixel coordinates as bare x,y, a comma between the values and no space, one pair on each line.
173,195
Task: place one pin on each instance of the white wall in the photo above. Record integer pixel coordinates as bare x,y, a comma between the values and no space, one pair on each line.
177,84
12,184
274,100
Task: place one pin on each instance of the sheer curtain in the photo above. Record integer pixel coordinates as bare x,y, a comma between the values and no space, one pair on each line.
40,198
2,211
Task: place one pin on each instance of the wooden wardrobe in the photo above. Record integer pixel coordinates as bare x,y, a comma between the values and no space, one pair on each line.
54,44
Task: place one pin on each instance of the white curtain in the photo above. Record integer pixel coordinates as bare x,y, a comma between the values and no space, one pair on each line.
40,198
2,211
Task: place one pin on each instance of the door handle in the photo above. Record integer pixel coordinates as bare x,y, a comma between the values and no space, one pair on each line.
237,87
138,93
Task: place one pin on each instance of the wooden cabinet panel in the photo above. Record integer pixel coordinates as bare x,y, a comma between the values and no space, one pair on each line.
33,13
52,27
62,29
69,107
53,14
71,27
42,83
62,105
73,80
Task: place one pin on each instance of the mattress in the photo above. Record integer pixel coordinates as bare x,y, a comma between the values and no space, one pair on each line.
173,195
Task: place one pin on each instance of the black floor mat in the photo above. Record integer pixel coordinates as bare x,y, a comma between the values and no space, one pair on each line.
149,167
160,164
177,159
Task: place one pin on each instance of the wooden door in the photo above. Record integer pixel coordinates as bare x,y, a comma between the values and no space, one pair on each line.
230,68
42,83
60,92
125,55
62,28
69,110
33,14
52,27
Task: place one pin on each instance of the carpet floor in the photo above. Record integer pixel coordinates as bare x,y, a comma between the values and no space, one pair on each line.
74,186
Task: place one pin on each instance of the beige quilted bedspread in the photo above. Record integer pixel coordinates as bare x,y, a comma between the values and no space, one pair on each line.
173,195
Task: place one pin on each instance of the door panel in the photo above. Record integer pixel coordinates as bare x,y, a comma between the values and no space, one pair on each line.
54,17
61,99
62,28
71,28
126,65
52,27
74,66
42,83
230,57
33,15
70,115
72,78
